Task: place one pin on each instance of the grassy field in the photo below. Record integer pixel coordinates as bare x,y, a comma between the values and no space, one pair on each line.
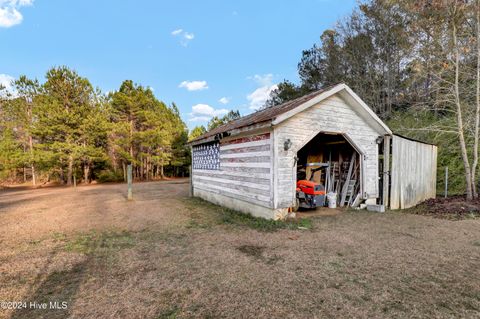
168,256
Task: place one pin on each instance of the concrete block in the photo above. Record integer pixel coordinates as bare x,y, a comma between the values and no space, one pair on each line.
376,208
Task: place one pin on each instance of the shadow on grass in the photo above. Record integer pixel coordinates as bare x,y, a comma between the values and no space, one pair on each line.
7,204
55,295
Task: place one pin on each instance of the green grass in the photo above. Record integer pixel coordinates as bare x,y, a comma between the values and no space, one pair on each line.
169,314
206,214
231,217
194,223
98,242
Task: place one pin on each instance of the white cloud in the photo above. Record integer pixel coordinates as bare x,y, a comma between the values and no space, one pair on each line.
177,32
205,109
199,119
204,112
6,83
258,97
189,36
9,12
194,85
185,37
224,100
262,80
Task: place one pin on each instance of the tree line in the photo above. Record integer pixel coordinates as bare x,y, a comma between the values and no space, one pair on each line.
64,129
417,64
214,122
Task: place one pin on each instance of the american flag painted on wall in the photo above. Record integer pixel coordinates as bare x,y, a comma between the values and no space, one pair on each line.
206,156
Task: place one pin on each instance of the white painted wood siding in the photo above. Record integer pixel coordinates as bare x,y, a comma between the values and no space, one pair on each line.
413,173
330,115
245,170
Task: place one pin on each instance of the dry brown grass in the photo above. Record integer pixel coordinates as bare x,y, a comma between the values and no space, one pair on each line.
166,256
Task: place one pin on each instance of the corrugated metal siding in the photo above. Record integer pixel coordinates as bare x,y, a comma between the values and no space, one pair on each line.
245,171
413,172
331,115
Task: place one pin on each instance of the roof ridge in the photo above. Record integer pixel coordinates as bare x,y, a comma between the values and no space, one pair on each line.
263,114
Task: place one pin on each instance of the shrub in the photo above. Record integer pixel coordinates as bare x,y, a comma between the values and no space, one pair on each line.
109,176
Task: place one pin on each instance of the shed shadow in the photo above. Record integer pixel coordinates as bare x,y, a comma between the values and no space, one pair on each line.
57,292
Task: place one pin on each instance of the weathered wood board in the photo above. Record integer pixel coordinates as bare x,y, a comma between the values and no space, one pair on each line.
331,115
244,170
413,172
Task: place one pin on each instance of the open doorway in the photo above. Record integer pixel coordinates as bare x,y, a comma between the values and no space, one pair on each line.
328,173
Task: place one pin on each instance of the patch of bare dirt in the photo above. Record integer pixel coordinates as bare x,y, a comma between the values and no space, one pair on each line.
454,207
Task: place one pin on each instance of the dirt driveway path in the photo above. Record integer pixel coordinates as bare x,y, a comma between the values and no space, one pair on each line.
168,256
28,215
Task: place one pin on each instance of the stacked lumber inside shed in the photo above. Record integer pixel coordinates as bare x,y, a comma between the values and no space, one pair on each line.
342,172
343,178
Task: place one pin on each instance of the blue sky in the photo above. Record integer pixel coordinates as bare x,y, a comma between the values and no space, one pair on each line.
206,56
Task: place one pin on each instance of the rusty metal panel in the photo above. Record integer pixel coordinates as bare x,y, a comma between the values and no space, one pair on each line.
263,115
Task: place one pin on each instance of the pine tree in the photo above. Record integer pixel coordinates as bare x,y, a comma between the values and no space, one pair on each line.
218,121
65,107
197,132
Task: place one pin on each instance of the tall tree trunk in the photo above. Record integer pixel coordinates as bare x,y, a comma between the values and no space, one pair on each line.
147,163
124,167
114,163
34,179
30,145
85,165
131,139
477,111
146,168
112,153
62,174
24,170
162,176
134,169
460,127
86,173
70,170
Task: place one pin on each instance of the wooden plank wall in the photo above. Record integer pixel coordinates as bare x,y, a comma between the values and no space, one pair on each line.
413,172
330,115
245,171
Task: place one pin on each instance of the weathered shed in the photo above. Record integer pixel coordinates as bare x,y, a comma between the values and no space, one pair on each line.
251,164
414,172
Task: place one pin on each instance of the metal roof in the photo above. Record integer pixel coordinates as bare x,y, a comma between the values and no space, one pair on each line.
265,115
414,140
